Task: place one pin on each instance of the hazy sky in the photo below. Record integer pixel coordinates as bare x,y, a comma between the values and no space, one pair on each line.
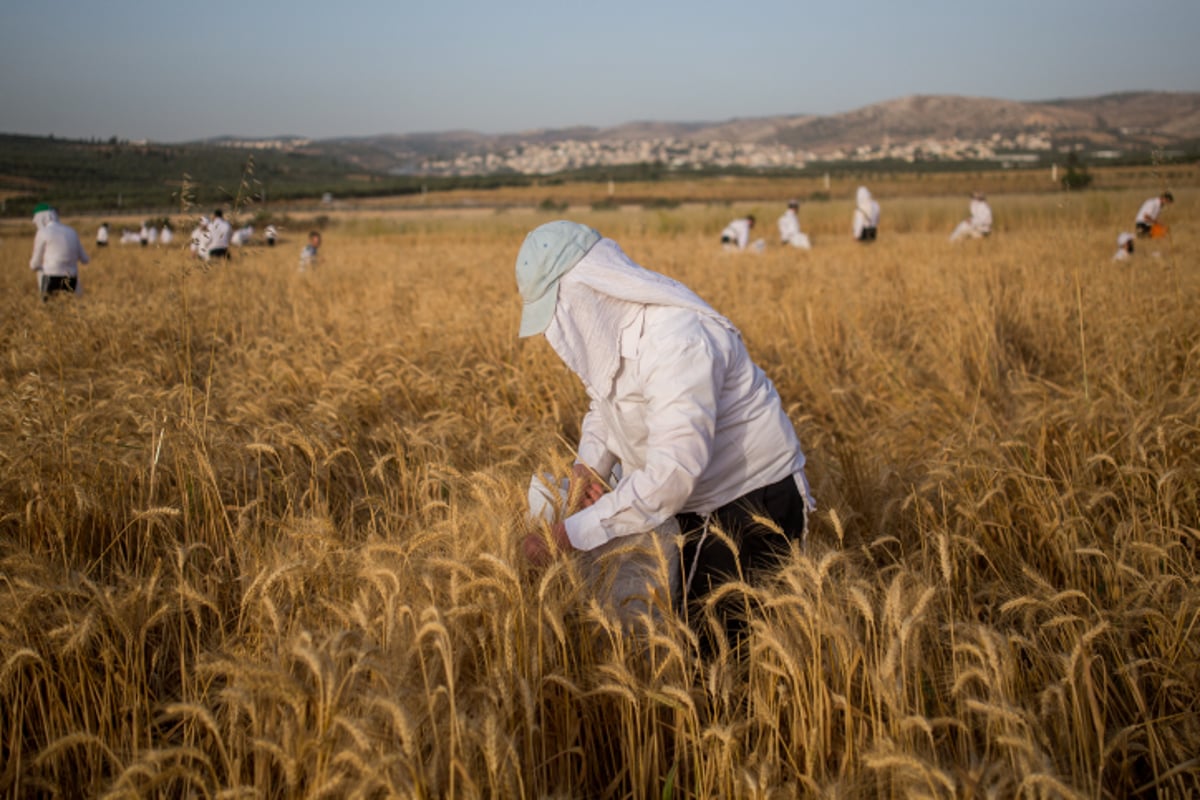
174,71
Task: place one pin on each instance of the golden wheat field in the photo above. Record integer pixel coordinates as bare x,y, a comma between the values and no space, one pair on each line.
260,532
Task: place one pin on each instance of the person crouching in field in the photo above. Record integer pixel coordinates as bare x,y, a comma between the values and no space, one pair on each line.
698,430
865,224
789,228
57,253
1147,224
1124,247
736,235
102,235
978,223
308,256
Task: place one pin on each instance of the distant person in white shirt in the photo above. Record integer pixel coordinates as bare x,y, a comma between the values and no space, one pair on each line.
219,234
308,256
1147,223
789,227
199,241
57,254
736,235
978,223
865,224
165,236
698,430
272,234
1124,247
242,236
102,235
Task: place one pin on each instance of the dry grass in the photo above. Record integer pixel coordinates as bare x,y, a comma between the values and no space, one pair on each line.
259,532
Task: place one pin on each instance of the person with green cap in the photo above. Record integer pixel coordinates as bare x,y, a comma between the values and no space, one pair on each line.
697,429
57,253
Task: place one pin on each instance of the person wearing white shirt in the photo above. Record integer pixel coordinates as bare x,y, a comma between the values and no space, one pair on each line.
57,253
1147,216
698,430
789,228
166,236
865,224
978,223
308,256
199,241
102,235
736,235
220,232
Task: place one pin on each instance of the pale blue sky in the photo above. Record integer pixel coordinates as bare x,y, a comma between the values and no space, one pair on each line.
172,72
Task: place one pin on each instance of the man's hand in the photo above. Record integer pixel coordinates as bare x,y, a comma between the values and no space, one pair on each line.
539,552
586,488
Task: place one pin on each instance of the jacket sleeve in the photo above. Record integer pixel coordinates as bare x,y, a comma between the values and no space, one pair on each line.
680,393
39,251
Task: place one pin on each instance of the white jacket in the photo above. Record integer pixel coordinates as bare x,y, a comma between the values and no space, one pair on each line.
1148,213
739,231
981,216
219,234
56,247
866,211
789,226
675,398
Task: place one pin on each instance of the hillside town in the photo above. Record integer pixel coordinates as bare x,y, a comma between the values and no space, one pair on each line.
571,154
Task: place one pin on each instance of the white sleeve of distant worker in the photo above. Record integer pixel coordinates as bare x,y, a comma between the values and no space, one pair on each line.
860,222
39,250
682,400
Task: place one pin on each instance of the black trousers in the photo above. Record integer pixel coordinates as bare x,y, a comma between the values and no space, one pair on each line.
735,546
56,283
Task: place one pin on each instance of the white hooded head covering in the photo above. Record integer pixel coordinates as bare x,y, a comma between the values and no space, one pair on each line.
548,253
598,299
862,199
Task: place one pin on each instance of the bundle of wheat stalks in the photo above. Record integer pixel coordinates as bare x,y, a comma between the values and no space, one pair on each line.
260,529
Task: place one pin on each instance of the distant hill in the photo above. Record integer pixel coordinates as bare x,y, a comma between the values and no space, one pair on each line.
1137,121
